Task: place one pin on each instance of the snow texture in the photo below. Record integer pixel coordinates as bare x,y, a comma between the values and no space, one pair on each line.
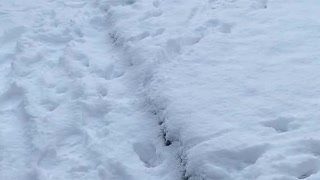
66,108
234,83
159,90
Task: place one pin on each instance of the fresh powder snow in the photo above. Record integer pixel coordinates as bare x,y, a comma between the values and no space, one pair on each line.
159,90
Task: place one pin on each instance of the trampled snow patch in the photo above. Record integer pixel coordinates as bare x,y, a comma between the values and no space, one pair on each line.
67,107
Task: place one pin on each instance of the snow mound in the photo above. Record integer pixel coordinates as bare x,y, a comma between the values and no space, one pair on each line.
233,83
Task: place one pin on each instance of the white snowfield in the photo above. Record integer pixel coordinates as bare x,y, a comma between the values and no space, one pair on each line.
159,90
67,109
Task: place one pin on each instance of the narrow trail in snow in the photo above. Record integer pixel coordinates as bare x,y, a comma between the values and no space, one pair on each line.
64,102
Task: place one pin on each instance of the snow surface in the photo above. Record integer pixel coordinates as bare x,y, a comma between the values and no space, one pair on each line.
234,82
66,107
159,89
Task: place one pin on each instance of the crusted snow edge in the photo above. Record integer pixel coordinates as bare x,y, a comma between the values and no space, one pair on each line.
144,68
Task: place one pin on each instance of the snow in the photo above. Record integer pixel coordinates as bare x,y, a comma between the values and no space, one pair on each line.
67,111
140,89
233,82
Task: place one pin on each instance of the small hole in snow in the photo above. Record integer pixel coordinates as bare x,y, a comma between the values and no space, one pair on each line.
304,176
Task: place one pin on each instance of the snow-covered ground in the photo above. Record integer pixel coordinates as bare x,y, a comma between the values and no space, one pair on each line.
235,83
159,89
67,108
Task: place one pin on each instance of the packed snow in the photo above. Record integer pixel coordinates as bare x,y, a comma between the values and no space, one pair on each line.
159,90
67,108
